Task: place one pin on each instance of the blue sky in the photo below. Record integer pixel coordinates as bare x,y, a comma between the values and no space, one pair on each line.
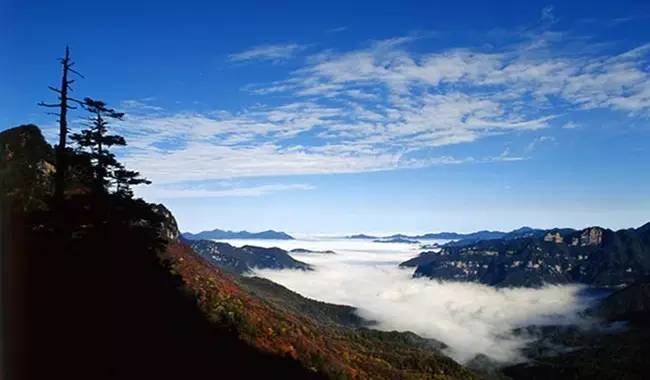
342,117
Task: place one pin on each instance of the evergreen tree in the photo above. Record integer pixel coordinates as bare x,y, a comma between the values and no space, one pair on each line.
124,179
95,142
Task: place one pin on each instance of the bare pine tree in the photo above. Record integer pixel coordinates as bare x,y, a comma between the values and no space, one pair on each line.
63,106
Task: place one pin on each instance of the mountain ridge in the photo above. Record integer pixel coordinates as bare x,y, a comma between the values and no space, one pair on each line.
245,259
225,234
594,256
465,237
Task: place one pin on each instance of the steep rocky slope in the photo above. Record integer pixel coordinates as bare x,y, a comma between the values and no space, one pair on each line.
594,256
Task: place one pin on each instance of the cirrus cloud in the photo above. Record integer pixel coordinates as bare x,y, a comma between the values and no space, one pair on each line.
387,106
273,52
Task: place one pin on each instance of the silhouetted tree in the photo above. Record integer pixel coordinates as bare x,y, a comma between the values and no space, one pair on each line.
63,106
95,142
124,179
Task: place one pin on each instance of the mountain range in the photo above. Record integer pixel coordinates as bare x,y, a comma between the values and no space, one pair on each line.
218,234
464,238
396,240
595,256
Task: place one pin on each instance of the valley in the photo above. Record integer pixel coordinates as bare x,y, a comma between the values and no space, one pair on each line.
504,332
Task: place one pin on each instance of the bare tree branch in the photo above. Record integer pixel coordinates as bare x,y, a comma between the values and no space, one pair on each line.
49,105
75,72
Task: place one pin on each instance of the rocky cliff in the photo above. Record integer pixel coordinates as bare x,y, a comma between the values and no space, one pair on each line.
593,256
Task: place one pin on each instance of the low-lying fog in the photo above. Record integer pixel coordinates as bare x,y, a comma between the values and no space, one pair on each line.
470,318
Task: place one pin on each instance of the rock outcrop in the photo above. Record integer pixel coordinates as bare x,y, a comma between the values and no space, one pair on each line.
26,165
591,236
168,227
554,237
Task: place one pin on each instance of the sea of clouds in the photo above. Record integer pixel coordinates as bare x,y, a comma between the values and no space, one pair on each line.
470,318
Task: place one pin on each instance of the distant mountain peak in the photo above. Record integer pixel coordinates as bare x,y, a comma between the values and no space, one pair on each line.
244,259
225,234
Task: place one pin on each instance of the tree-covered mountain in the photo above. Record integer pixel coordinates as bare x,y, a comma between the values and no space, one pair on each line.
594,256
479,235
246,258
519,233
218,234
327,339
87,292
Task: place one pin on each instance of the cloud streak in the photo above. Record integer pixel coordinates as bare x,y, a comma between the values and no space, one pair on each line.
168,192
277,52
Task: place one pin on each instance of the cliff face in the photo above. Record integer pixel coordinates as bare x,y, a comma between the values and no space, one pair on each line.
168,227
554,237
591,236
593,256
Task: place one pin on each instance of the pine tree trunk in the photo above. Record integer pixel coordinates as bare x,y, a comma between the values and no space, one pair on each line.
59,178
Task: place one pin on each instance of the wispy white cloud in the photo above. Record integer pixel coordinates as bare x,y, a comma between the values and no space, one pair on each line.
548,15
618,82
570,125
139,105
386,107
199,161
166,192
622,20
337,29
277,52
539,141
